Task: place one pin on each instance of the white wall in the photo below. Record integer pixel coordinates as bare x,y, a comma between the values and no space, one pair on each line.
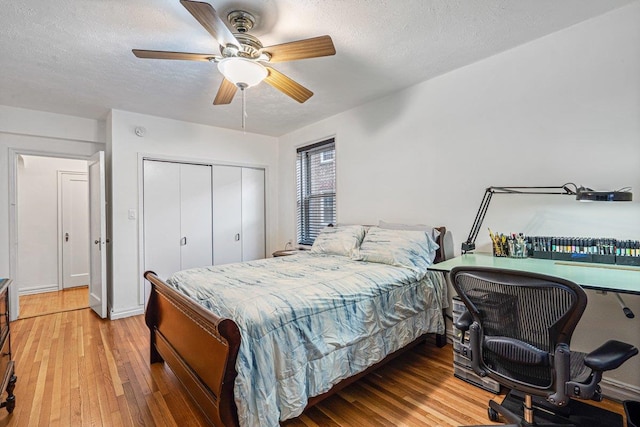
37,214
562,108
176,140
36,132
20,121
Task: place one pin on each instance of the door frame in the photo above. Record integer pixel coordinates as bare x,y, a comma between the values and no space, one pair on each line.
61,225
14,301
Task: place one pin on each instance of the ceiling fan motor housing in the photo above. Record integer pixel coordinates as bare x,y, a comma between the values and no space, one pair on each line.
249,47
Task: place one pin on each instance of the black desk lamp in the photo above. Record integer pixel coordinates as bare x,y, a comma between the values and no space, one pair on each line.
568,189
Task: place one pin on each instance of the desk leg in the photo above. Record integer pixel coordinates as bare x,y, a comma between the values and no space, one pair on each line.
441,339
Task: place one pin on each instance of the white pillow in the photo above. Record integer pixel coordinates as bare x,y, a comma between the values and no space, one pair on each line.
404,248
342,240
433,231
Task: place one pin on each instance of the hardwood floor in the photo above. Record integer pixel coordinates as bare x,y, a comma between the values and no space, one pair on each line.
54,302
75,369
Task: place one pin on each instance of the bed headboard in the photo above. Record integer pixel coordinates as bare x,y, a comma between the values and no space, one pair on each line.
441,253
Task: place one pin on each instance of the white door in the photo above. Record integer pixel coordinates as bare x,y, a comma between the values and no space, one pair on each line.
227,214
253,233
195,216
97,235
177,217
161,199
74,233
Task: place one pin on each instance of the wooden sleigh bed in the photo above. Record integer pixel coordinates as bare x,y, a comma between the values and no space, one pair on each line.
201,348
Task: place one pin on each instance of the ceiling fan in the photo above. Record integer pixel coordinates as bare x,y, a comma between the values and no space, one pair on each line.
243,61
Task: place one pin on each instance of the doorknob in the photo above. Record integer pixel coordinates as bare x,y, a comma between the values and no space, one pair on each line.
237,237
96,241
66,237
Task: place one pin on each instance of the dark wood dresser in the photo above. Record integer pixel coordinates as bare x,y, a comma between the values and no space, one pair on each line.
7,373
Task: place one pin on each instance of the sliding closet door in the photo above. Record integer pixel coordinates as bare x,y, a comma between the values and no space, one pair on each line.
227,214
161,217
195,216
177,216
253,238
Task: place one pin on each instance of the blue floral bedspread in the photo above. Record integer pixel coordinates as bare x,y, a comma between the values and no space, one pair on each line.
309,321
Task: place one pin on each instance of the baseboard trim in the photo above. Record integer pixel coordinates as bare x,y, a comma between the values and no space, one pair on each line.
41,289
121,314
618,390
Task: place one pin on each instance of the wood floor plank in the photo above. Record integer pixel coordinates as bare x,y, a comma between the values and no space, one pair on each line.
75,369
124,411
54,302
317,416
111,364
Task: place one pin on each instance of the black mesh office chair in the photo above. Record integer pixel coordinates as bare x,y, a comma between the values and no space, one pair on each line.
519,328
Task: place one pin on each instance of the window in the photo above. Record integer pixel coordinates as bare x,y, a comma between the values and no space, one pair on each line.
327,156
316,177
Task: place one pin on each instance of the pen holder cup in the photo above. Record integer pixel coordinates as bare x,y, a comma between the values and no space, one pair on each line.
500,249
517,249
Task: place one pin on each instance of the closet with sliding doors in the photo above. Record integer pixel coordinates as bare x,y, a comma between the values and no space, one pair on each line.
197,215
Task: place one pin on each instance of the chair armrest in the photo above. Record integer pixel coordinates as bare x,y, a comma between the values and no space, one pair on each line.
464,321
609,355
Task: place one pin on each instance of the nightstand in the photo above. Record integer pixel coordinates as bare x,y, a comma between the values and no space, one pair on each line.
287,252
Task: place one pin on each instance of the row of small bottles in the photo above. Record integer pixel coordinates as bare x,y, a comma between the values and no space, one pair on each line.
628,248
604,250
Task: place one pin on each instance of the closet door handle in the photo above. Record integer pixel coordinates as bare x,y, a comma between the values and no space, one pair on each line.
237,237
183,241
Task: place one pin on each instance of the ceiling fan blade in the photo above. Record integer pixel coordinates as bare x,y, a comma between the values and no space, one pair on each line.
207,16
287,86
301,49
161,54
225,93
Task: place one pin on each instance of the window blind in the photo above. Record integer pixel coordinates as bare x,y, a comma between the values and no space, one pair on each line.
316,188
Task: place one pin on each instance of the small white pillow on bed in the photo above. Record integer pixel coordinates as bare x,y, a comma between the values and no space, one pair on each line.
342,240
433,231
404,248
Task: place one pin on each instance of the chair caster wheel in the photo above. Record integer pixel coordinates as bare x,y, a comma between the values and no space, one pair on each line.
492,414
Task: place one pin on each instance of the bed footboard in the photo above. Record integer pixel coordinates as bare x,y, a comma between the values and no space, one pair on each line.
181,333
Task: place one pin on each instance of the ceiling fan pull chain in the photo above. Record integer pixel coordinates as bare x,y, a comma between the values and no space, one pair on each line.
244,109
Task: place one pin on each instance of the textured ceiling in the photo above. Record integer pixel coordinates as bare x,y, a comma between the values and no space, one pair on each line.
74,56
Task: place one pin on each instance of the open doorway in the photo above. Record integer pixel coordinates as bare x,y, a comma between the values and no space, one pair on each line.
52,224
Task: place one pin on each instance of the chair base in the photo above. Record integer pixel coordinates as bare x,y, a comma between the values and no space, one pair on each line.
578,414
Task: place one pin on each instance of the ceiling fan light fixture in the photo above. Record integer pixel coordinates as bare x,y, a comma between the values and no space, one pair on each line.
242,72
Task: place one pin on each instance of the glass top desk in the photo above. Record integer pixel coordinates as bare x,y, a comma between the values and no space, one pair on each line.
599,277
